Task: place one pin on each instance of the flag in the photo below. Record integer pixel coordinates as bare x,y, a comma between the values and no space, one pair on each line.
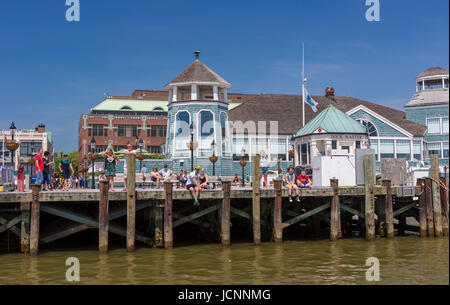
309,100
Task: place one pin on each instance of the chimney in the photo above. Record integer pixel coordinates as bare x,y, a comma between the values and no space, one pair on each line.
329,92
40,128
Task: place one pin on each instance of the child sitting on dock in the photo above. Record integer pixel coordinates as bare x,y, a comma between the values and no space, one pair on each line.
203,178
193,184
236,180
303,180
155,176
291,184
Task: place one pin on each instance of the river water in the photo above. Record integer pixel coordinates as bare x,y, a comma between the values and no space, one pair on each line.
404,260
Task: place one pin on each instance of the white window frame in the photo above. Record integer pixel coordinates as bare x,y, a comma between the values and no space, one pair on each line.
197,136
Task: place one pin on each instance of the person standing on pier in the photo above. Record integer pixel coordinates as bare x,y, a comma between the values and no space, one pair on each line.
193,184
66,169
39,167
111,160
291,184
264,166
144,172
47,163
20,177
128,151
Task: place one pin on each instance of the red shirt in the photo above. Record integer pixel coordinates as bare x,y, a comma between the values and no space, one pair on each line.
40,163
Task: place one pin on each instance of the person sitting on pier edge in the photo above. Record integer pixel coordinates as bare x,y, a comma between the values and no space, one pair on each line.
165,173
303,180
236,180
111,161
181,176
264,166
155,176
203,178
291,184
193,184
128,151
144,172
66,169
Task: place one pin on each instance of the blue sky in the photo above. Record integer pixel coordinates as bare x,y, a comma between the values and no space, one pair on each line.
52,71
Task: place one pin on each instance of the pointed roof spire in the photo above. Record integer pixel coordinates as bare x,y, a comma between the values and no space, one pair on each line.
197,55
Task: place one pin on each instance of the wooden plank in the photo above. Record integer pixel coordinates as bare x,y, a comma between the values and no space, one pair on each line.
35,219
437,211
103,218
244,214
196,215
444,205
256,199
225,214
306,215
369,197
131,201
351,210
277,213
380,209
429,200
335,211
389,213
6,225
159,227
61,232
197,222
25,228
168,229
422,209
404,209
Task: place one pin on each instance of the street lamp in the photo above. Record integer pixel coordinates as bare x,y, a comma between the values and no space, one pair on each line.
13,145
191,146
243,163
213,158
93,146
293,151
141,144
85,169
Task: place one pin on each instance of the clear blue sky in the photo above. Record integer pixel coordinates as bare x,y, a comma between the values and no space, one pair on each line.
52,71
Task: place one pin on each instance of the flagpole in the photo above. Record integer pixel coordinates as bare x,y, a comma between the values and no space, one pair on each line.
303,83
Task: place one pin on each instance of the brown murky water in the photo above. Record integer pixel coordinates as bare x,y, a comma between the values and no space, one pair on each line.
404,260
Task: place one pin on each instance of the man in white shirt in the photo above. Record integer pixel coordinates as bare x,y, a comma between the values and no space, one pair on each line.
193,184
165,173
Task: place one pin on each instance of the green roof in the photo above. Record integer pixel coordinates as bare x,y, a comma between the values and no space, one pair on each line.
131,105
331,120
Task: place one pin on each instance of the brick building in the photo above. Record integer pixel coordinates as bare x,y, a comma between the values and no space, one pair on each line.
119,120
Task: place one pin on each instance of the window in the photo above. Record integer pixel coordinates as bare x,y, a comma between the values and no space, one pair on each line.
445,145
126,131
206,132
434,149
416,150
238,145
278,149
370,127
258,145
28,149
403,149
333,144
304,154
434,126
387,148
347,148
358,144
224,130
98,130
182,135
155,149
157,131
445,125
374,146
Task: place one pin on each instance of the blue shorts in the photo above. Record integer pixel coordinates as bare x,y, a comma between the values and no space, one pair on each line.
264,170
46,179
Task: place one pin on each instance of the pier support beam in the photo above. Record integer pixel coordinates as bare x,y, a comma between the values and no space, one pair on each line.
225,214
335,211
437,212
444,205
35,218
256,200
168,205
369,197
159,227
131,202
277,212
389,213
429,202
422,209
25,228
103,217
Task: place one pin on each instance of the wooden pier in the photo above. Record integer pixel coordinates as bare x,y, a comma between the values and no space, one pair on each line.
373,210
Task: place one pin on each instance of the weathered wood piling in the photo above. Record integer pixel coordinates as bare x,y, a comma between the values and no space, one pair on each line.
225,214
444,205
35,219
25,228
168,206
422,209
335,211
369,206
131,202
437,212
389,212
277,212
256,203
429,209
103,217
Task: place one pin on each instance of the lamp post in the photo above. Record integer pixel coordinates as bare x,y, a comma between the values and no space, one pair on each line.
191,146
293,151
243,163
13,145
85,169
33,164
141,144
93,146
213,158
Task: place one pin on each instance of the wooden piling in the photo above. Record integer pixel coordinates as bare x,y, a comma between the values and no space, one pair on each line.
380,210
429,202
168,229
389,212
335,211
277,212
25,228
35,218
369,197
131,202
422,209
437,211
225,214
444,206
256,203
159,227
103,217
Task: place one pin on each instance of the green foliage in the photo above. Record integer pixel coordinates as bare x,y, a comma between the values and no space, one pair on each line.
73,157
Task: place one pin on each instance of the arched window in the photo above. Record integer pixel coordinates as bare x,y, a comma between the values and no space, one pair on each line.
158,109
126,108
206,132
182,136
224,130
370,127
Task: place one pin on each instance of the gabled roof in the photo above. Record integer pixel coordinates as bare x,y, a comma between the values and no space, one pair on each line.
130,105
331,120
287,110
198,72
